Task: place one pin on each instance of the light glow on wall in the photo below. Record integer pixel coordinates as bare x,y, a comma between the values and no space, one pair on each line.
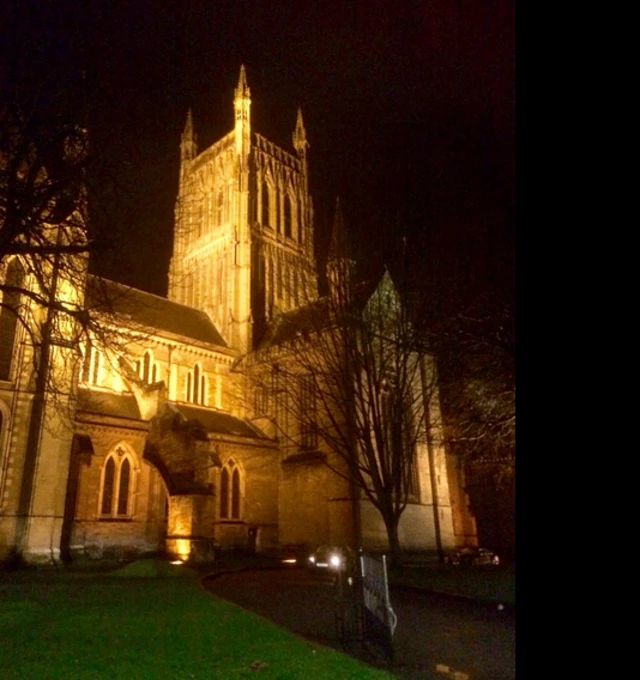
183,548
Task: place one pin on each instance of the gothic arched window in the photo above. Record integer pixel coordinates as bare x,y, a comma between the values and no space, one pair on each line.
147,368
264,208
116,489
220,206
9,306
279,292
91,363
288,217
300,224
196,386
230,491
270,286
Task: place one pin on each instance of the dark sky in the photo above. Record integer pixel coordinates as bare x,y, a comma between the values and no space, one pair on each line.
408,105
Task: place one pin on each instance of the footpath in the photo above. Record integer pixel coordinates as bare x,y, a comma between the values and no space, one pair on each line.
488,585
453,623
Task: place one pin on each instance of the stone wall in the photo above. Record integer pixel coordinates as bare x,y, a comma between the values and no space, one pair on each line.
143,531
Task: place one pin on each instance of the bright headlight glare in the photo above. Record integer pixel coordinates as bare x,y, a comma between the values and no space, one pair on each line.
335,560
312,559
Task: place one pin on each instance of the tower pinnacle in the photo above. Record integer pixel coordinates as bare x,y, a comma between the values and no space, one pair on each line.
300,143
339,246
340,265
189,141
242,106
242,90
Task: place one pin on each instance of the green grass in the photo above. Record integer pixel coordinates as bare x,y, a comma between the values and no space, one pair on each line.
138,623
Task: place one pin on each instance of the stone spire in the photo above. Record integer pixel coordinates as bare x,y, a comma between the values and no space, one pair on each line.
189,140
300,143
241,315
339,246
242,90
242,109
340,265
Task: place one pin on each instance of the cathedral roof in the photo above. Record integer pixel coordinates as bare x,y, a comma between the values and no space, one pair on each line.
108,404
217,422
152,311
303,320
312,317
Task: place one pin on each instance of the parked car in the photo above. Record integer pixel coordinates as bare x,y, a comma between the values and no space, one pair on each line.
336,558
472,557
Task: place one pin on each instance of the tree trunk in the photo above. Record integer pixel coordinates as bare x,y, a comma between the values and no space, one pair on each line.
391,523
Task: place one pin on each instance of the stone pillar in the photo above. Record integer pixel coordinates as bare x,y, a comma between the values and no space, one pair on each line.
190,528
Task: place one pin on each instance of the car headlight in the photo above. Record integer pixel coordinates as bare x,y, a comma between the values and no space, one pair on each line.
335,560
312,559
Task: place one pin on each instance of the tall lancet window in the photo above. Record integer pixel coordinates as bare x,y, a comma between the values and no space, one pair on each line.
91,364
220,206
279,292
270,285
116,489
146,368
288,226
230,491
196,386
300,223
264,208
9,305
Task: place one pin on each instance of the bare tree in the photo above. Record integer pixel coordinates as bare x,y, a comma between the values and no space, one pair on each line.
45,244
477,351
349,375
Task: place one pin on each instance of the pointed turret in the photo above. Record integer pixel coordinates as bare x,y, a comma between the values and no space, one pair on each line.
242,324
339,247
242,109
242,90
340,265
189,140
300,143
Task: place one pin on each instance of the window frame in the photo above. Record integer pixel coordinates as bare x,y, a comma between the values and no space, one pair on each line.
91,368
196,386
15,275
231,492
118,457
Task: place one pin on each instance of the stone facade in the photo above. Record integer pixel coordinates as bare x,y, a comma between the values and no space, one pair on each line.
165,450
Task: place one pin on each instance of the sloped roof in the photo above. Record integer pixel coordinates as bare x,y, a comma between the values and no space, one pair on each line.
286,326
218,422
313,317
108,404
151,311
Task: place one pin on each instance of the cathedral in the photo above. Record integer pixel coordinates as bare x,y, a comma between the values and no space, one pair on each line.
168,449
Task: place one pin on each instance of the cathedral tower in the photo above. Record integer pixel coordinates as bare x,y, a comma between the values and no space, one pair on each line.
243,241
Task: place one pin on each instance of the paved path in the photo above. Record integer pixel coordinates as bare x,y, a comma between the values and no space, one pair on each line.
435,639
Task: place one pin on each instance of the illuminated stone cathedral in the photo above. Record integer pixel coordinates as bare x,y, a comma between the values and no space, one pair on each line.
167,451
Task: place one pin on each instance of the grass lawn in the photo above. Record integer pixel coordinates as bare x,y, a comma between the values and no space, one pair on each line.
142,623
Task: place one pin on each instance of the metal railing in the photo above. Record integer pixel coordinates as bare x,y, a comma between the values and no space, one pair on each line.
363,605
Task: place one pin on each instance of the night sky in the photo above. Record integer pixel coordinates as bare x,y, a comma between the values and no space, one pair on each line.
408,105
